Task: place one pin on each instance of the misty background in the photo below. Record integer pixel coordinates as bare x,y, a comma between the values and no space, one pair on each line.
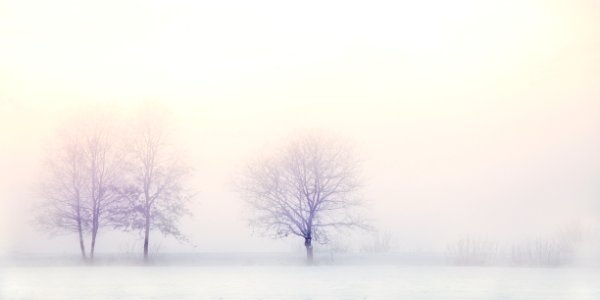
470,118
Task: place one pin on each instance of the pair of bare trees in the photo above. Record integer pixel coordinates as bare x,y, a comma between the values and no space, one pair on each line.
100,174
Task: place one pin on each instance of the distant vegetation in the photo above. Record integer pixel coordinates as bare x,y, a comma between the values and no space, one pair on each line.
550,251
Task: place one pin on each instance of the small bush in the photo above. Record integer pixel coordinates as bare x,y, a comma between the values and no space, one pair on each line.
470,251
547,252
380,242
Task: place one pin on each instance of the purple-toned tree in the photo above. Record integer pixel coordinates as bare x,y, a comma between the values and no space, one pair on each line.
83,170
155,197
65,207
307,189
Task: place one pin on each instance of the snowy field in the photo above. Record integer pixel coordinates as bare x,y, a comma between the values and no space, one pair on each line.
297,282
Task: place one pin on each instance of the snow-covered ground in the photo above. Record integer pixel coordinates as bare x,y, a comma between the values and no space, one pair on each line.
296,282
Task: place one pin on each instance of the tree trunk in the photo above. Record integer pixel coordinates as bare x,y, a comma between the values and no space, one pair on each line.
95,225
146,237
309,250
94,209
93,245
80,231
81,243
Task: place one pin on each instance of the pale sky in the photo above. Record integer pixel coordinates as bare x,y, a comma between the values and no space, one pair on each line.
470,117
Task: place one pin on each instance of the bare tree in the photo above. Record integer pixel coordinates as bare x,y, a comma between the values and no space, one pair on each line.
155,198
105,166
306,190
84,170
64,208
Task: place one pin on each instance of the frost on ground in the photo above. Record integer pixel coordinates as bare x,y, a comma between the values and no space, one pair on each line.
297,282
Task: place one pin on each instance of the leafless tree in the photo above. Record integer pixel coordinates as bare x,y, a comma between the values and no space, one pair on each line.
155,197
83,171
306,190
104,164
65,208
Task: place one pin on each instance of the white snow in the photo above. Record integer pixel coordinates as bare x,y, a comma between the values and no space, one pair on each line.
297,282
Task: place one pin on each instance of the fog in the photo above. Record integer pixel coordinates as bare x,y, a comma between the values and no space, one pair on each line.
469,118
